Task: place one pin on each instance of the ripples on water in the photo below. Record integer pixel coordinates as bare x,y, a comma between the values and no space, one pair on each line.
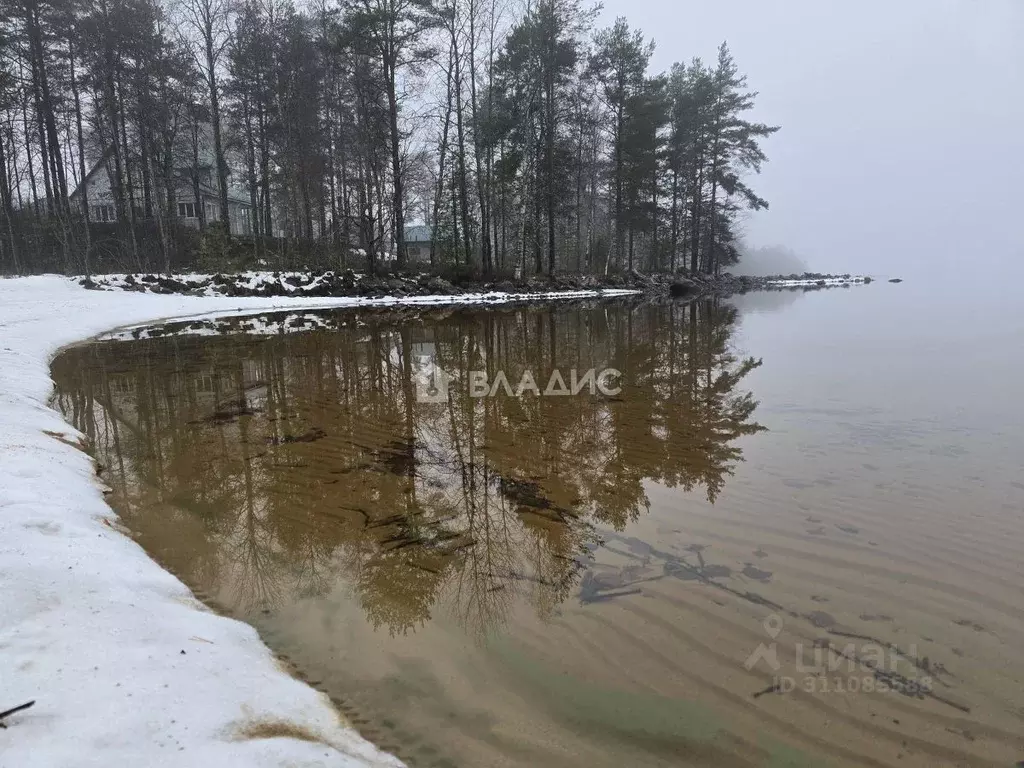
561,581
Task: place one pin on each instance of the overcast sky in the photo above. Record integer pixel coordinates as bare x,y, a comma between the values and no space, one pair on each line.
902,141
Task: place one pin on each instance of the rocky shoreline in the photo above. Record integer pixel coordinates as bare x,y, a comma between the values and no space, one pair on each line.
351,284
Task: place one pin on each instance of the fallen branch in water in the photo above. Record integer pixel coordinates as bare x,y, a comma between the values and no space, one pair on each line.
13,711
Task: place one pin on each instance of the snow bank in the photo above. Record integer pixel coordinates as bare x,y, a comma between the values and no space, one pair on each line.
126,667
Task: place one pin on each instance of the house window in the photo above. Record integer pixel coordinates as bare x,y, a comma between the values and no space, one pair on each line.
211,212
187,210
104,213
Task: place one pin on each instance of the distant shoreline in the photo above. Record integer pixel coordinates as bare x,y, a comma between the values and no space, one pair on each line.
338,284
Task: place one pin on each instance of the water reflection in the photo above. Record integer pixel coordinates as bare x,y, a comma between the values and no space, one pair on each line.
265,466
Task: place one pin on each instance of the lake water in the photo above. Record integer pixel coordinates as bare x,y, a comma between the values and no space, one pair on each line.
782,530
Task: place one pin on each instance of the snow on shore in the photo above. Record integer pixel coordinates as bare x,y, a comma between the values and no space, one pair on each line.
286,282
329,284
797,282
125,666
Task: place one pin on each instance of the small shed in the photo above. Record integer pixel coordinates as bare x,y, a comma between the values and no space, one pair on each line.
418,241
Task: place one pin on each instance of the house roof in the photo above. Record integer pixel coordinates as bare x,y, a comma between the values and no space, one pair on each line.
101,163
207,160
419,233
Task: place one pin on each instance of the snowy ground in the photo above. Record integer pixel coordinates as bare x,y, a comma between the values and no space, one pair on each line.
125,666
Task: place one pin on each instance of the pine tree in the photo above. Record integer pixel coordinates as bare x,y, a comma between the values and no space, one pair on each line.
734,146
619,63
394,30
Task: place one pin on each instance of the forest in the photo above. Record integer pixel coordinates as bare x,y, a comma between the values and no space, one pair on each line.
229,134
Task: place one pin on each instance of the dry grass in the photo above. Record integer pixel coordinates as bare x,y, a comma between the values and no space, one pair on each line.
74,442
275,729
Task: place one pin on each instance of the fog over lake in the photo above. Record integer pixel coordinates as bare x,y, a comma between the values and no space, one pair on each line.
902,124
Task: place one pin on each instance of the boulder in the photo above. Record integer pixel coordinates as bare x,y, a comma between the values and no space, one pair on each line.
397,286
440,287
372,286
170,285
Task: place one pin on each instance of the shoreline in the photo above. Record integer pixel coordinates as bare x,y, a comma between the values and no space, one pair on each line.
349,284
124,664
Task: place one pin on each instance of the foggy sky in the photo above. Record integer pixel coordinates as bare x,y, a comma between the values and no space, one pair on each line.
902,141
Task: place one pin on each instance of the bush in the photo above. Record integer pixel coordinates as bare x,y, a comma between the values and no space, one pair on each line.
460,274
215,249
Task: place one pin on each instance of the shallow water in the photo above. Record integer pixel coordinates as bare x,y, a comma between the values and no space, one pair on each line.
788,533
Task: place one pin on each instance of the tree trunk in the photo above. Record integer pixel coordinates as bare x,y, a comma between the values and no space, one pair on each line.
398,200
83,187
485,225
675,220
218,145
550,158
695,220
442,153
461,138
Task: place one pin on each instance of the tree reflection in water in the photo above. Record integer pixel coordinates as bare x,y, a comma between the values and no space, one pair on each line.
265,467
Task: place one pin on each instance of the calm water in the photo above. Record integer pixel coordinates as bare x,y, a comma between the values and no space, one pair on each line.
790,534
